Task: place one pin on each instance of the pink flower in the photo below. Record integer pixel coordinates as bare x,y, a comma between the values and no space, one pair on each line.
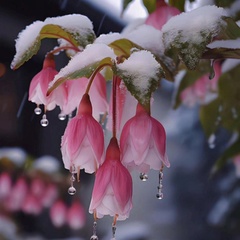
5,185
32,205
83,142
18,195
161,15
126,104
203,90
39,86
58,213
143,142
112,192
77,87
49,196
76,216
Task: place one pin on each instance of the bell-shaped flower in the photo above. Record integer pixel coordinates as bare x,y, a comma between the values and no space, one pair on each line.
40,83
161,15
76,216
83,142
112,192
203,90
17,196
32,205
49,196
58,213
5,185
143,143
75,90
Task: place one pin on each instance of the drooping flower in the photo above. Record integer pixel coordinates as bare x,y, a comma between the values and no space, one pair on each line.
83,142
31,204
39,86
58,213
17,196
77,87
76,216
112,192
5,185
203,90
143,143
161,15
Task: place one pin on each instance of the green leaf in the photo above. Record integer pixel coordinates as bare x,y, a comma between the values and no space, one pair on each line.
86,71
122,47
229,153
221,53
55,31
208,116
178,4
230,31
125,5
150,5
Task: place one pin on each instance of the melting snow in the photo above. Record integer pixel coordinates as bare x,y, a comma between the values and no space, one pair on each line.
192,25
141,67
92,53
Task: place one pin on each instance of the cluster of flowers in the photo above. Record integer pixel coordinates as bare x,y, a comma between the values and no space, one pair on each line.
32,195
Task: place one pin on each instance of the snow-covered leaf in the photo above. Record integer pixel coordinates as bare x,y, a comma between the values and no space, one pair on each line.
186,36
29,40
125,5
123,47
141,74
86,71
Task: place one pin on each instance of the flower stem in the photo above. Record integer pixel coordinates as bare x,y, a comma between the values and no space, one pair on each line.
114,106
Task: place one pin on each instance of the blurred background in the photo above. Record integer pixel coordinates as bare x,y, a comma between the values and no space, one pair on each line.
196,204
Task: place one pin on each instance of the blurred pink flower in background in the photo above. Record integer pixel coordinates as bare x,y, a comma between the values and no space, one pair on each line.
76,215
161,15
202,90
5,185
31,204
58,213
17,195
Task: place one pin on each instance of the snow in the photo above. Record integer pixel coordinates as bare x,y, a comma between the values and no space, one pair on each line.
26,39
75,23
147,37
47,164
91,54
14,154
232,44
108,38
190,26
140,67
230,64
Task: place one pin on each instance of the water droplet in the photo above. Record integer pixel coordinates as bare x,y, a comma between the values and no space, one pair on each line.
159,195
212,72
72,178
94,237
211,141
143,177
37,110
44,121
72,190
61,116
